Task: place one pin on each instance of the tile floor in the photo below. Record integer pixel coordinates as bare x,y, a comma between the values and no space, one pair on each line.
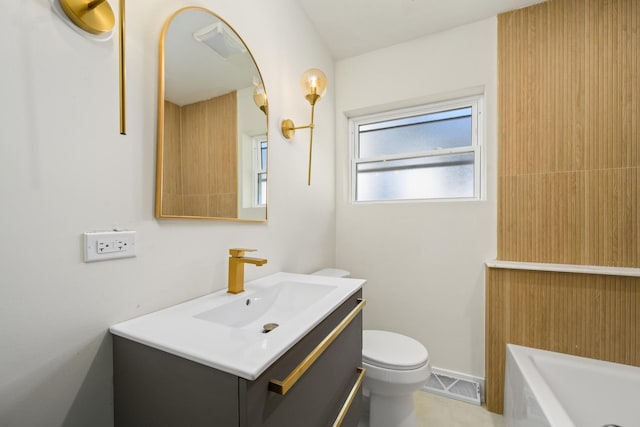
437,411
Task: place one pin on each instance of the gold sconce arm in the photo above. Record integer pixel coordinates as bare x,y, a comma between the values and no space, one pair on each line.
96,18
123,79
289,128
314,85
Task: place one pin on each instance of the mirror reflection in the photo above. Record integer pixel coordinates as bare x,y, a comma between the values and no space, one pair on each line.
212,135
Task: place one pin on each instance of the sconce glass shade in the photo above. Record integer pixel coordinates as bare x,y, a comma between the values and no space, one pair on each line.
314,85
260,98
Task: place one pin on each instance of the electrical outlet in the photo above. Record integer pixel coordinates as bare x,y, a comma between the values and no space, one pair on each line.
104,245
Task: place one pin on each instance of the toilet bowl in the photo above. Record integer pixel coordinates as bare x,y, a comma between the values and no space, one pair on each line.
396,367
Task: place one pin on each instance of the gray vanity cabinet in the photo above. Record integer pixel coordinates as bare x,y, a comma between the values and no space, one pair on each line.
153,388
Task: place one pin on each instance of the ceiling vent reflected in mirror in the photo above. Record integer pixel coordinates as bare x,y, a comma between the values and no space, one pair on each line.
220,39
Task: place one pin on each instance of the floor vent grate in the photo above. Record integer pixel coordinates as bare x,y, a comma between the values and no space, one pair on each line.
455,388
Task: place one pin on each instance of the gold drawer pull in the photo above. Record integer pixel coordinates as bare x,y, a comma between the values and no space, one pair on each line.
350,398
282,387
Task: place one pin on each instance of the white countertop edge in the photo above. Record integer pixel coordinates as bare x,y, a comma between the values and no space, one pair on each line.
249,370
248,373
565,268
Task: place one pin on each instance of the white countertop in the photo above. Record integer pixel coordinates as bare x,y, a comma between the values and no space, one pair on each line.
245,353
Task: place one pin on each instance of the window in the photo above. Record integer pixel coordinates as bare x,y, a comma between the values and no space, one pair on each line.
260,170
427,152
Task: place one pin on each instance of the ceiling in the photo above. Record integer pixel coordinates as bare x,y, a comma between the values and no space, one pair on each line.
353,27
193,71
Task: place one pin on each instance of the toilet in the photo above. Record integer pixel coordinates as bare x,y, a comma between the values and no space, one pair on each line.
396,367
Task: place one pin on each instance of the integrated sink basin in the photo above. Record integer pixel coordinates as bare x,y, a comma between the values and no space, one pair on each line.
276,304
227,331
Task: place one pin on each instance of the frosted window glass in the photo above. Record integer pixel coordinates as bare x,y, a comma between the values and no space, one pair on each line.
262,189
263,155
426,132
446,176
418,153
260,170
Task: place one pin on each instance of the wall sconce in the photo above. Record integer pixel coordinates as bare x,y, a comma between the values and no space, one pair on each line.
260,98
95,18
314,86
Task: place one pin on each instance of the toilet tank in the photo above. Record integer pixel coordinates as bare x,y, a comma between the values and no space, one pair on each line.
332,272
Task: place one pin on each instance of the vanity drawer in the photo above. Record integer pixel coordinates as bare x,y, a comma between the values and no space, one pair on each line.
318,396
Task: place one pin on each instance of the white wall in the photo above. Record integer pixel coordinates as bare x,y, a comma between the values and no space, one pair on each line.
423,261
65,170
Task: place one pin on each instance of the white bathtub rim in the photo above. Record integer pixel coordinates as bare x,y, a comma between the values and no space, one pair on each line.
546,398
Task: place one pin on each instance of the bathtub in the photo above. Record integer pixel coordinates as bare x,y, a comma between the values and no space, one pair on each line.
543,388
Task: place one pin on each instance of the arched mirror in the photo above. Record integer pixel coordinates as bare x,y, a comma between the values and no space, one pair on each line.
212,135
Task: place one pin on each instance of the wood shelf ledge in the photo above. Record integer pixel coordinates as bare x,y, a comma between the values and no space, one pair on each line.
565,268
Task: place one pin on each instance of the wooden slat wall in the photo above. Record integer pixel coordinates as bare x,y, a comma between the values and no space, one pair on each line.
223,157
569,143
587,315
568,180
205,180
172,203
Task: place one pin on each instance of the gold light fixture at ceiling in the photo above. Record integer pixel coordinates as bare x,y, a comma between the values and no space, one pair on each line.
314,86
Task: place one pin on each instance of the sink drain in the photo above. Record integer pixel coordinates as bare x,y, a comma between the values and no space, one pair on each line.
268,327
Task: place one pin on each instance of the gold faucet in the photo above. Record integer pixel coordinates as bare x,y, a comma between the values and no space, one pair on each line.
237,260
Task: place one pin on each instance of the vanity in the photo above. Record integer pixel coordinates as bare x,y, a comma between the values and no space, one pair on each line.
212,361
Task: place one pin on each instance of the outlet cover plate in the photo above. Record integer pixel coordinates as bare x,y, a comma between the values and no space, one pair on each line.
105,245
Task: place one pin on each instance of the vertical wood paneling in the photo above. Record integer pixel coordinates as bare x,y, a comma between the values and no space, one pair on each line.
172,176
569,106
223,161
612,215
209,157
195,150
586,315
568,179
497,331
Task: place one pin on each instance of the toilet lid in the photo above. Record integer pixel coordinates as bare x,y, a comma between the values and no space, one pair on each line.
392,351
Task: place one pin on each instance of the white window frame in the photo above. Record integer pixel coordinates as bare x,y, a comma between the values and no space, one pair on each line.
476,104
257,170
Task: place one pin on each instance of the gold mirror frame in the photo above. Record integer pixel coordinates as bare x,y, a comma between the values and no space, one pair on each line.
168,209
